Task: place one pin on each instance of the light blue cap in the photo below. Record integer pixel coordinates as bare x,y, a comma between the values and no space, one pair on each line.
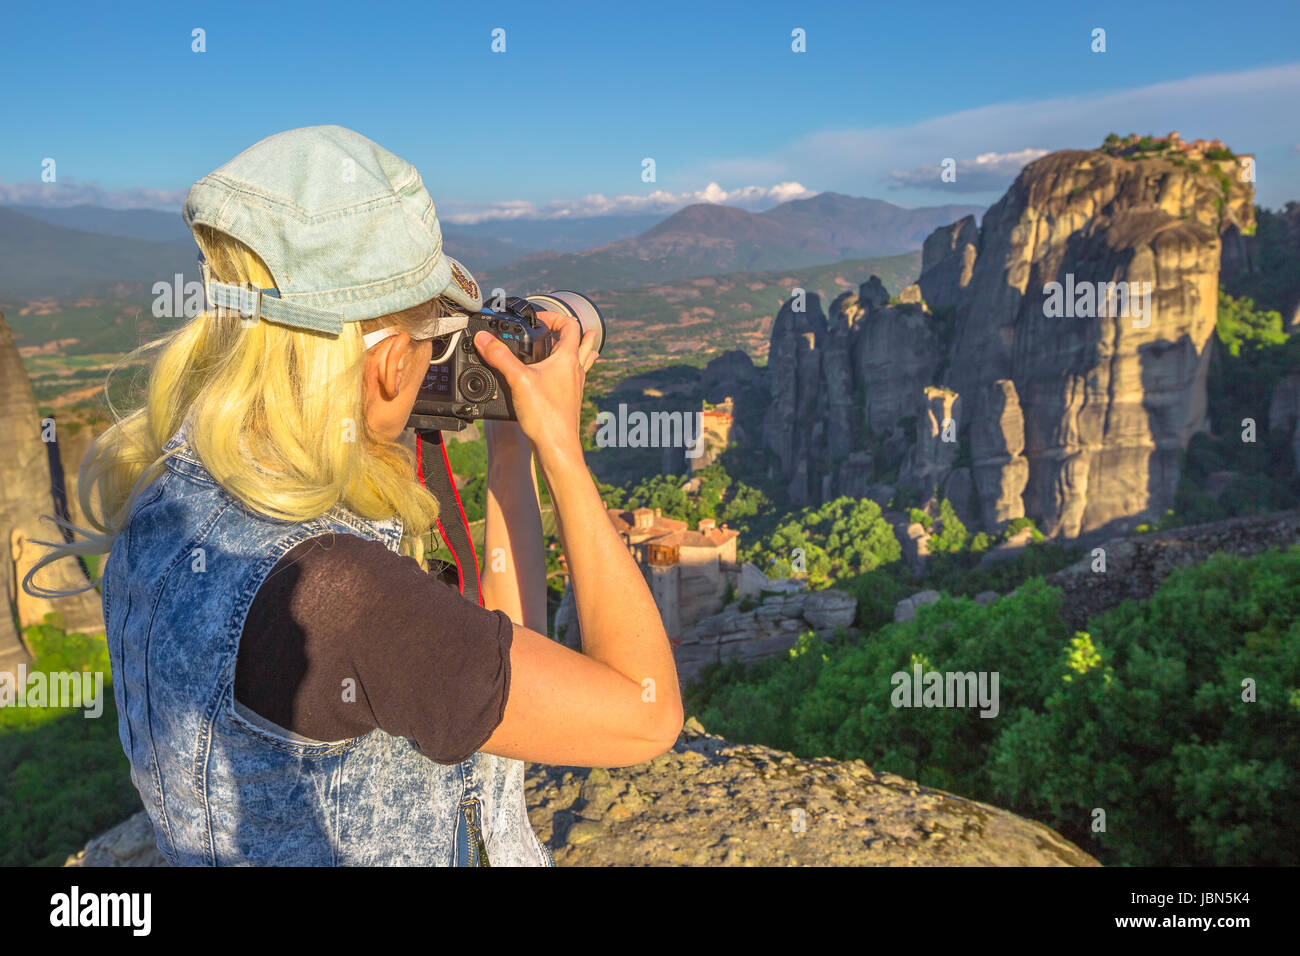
346,228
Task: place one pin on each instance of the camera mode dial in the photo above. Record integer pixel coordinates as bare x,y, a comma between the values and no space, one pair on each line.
476,384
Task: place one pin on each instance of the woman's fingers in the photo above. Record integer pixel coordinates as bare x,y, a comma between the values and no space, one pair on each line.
498,355
555,321
587,353
565,327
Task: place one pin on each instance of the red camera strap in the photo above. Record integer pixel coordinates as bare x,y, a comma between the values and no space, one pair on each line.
435,474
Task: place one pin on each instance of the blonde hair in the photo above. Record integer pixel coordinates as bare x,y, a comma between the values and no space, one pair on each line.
276,415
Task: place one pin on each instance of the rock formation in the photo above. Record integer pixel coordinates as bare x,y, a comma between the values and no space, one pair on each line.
795,417
905,610
73,443
773,625
1070,335
948,262
708,802
1263,266
25,496
1284,419
999,468
930,460
1135,566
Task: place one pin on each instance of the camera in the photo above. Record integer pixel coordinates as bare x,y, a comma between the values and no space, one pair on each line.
460,387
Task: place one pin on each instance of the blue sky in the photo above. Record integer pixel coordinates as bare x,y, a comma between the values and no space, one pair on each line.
584,92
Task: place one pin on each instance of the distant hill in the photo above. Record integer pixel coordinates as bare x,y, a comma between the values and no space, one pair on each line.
151,225
480,247
857,227
481,252
39,259
708,239
556,234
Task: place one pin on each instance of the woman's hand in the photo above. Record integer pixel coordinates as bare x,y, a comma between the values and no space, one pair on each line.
618,702
548,395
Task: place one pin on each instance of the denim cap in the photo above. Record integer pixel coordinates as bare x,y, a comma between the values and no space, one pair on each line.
346,228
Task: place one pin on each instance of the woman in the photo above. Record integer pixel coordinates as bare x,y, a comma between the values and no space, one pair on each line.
292,687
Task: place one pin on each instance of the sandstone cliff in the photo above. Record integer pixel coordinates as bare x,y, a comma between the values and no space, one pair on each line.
25,496
1075,418
708,802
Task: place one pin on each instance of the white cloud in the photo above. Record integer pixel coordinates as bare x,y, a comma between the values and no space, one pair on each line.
1247,110
69,192
754,198
987,171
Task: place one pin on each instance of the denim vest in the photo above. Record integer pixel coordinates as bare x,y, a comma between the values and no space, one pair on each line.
221,785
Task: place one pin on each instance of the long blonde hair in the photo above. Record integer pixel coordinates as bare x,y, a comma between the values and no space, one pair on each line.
276,415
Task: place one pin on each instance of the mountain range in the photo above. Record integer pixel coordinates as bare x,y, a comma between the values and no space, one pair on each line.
708,239
61,252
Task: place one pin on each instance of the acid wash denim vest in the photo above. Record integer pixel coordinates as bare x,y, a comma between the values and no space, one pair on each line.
221,785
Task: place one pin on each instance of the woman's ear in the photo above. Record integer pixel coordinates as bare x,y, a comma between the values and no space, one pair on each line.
393,362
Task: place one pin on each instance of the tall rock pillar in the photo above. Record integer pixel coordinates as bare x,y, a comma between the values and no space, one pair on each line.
25,497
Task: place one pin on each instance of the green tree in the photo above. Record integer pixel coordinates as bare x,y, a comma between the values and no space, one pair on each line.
952,536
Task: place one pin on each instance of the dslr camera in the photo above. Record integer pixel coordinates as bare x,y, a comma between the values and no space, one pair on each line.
460,387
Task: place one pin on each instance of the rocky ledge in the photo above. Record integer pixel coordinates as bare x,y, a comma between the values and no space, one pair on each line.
708,802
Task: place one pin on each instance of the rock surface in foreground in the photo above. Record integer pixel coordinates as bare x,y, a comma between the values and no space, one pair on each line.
712,803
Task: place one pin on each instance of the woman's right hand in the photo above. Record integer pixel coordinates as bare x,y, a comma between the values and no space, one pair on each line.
547,395
618,702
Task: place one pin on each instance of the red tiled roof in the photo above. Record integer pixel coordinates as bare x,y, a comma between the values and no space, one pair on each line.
696,539
626,521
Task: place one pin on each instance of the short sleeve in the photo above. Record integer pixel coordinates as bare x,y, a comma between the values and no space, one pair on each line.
346,636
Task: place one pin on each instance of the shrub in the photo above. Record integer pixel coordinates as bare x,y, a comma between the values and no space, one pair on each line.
1156,731
63,777
878,592
1142,714
952,537
842,538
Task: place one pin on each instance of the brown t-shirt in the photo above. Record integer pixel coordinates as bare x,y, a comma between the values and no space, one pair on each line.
422,661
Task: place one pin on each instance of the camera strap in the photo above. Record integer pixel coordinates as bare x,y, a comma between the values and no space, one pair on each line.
435,474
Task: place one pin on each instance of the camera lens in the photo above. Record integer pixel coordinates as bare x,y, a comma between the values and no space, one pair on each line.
576,305
475,384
